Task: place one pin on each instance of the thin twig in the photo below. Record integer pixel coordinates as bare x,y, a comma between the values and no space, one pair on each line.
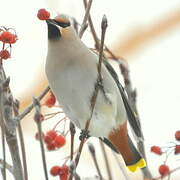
106,160
63,119
21,138
31,106
23,151
112,54
93,154
37,118
84,23
103,29
53,114
95,37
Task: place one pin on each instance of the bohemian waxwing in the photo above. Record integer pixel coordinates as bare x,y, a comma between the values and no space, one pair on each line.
71,69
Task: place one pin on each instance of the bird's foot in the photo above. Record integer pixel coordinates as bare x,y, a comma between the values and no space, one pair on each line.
84,134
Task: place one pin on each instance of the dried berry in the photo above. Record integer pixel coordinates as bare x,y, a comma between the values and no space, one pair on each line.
43,14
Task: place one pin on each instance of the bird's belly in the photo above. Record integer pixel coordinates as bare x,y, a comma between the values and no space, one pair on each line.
77,107
74,89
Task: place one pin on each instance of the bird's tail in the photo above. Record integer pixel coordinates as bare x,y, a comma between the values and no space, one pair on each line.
122,142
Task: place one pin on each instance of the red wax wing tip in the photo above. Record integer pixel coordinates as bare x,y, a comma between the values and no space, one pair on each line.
164,170
4,54
43,14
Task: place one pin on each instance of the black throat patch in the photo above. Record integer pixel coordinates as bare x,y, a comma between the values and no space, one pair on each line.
53,32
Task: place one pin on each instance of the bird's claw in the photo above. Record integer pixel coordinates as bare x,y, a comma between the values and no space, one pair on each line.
84,134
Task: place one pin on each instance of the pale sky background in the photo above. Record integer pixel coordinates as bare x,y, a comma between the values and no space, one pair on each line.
154,68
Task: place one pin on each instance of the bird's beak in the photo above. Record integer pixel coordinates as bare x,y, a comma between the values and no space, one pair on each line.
53,30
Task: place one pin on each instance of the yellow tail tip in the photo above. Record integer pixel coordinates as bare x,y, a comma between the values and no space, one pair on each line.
140,164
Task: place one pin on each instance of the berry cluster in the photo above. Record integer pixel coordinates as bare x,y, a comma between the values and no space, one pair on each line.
61,171
53,140
164,169
7,38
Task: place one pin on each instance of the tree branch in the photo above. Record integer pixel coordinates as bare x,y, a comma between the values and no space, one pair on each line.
31,106
37,118
84,24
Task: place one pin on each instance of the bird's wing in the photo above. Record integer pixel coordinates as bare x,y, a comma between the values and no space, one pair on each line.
130,113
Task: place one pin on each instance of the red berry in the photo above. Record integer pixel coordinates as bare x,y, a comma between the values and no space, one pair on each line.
55,170
177,149
51,100
52,134
4,54
49,137
13,40
156,150
164,169
43,14
63,174
51,146
8,37
177,135
64,177
59,141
